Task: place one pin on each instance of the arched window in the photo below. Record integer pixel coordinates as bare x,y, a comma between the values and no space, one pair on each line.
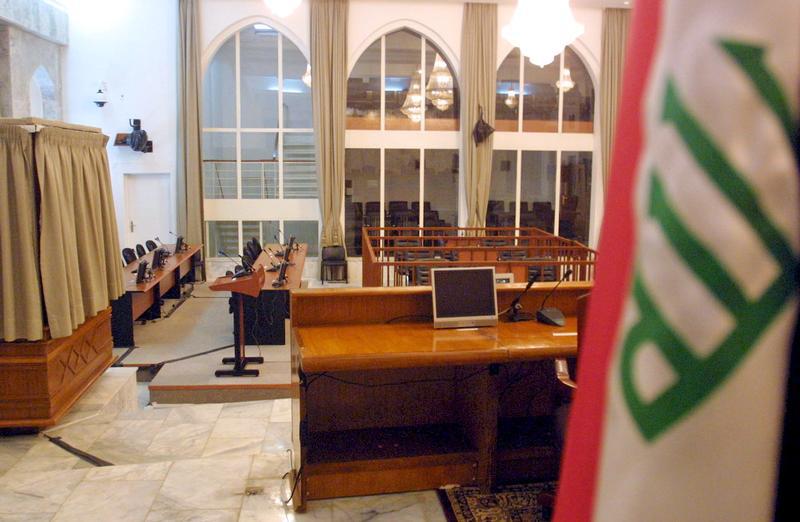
542,163
402,137
258,142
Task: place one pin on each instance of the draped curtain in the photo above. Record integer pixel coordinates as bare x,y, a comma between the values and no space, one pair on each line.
615,38
478,78
190,169
329,99
79,246
20,292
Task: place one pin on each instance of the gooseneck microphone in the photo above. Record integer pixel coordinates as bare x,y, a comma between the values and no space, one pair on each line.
159,240
240,270
515,313
552,316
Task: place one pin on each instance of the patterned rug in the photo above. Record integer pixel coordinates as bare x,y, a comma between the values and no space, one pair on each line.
516,503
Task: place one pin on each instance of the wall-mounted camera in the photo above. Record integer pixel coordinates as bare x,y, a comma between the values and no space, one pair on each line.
136,139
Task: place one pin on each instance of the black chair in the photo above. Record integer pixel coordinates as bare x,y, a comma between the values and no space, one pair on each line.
128,255
334,260
151,245
140,251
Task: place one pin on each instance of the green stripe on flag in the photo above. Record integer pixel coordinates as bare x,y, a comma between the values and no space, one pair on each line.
751,60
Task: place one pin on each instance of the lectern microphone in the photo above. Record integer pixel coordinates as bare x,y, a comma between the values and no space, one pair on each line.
246,267
552,316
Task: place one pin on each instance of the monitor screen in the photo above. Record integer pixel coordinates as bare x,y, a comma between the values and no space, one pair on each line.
464,297
179,244
141,271
158,258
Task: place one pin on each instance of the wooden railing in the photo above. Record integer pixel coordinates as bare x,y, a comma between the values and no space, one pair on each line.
403,256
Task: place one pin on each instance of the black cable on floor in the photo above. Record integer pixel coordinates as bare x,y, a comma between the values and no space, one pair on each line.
155,367
86,457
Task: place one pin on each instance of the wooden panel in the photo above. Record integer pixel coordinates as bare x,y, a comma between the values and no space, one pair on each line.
388,476
142,301
39,382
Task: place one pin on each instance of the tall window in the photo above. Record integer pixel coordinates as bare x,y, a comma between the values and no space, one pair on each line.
259,162
401,164
542,166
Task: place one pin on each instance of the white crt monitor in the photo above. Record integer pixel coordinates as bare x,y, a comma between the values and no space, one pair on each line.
464,297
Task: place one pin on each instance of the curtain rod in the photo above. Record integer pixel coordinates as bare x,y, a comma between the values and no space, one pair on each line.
34,125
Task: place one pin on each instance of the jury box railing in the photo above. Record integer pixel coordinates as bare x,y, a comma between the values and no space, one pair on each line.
403,256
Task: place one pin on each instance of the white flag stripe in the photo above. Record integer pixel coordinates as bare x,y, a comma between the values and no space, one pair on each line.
689,308
702,208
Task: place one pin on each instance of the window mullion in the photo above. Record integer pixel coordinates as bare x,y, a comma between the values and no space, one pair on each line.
561,93
518,196
281,183
422,85
421,217
520,118
557,206
383,88
238,98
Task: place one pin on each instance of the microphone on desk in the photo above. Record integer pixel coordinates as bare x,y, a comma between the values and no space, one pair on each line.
159,240
552,316
245,268
515,313
275,266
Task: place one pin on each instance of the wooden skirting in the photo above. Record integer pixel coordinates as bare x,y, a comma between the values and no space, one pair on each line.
40,381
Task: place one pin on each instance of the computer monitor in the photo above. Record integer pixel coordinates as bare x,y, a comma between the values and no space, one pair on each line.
141,272
179,244
464,297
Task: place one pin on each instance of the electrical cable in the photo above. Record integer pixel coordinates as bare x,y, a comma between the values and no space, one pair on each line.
396,383
86,457
294,486
155,367
411,316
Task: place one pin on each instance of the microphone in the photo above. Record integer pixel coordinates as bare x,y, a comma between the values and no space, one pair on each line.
248,267
552,316
159,240
515,313
173,234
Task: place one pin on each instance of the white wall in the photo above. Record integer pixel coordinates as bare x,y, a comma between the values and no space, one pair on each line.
132,46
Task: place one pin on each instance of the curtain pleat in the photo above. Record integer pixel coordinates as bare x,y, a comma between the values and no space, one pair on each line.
20,291
478,78
79,245
190,168
329,99
615,38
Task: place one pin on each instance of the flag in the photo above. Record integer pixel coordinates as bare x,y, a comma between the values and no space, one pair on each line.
679,410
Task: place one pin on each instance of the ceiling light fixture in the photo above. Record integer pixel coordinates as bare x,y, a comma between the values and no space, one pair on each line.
565,83
541,29
511,99
440,85
412,105
282,8
307,75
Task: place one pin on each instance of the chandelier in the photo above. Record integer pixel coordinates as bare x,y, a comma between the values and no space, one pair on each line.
565,82
440,85
282,8
511,99
412,105
541,29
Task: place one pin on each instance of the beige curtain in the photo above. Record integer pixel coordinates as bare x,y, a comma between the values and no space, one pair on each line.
79,246
615,38
20,293
478,77
190,171
329,99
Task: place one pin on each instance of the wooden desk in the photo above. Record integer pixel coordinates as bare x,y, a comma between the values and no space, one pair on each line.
381,407
264,316
144,299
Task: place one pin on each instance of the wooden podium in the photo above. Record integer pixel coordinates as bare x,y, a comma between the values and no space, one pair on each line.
248,284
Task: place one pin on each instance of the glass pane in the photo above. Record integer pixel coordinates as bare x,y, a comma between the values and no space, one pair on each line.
270,233
503,190
538,191
299,166
507,94
223,236
578,96
362,194
576,191
258,57
441,188
259,165
364,90
403,90
219,86
401,178
441,92
296,94
540,102
304,232
250,229
219,165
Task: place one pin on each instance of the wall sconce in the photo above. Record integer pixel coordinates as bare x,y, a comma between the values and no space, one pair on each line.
101,96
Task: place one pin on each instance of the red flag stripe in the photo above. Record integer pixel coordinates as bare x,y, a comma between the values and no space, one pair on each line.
578,484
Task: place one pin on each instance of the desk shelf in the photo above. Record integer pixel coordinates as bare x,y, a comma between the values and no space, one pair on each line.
385,460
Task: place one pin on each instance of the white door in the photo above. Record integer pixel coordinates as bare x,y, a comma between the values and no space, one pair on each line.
148,208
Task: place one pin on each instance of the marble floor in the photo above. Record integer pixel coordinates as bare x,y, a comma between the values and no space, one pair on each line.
205,462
